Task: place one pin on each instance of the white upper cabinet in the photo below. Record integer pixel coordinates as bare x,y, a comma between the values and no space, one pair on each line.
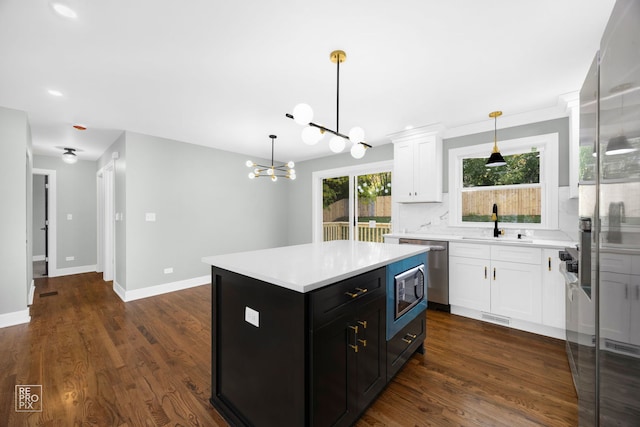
417,165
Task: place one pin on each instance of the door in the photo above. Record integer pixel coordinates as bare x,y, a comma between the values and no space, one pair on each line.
46,225
469,283
515,290
353,203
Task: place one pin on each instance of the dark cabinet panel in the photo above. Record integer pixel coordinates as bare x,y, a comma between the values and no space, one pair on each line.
405,343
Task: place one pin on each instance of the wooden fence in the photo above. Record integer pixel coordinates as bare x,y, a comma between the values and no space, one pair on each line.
512,201
340,208
340,231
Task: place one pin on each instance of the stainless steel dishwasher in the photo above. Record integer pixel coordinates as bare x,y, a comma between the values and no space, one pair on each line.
437,272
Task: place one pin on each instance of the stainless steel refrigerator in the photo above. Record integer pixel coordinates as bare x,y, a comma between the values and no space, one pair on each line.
608,361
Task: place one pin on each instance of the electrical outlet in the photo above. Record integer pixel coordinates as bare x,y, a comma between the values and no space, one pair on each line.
150,216
168,270
70,258
69,217
252,316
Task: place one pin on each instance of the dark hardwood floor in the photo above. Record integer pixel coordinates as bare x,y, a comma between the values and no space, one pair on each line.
102,362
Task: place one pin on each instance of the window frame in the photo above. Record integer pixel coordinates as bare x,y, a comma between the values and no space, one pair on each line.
547,145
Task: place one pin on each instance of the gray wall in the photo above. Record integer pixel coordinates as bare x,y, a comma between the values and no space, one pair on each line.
561,126
75,195
14,274
300,227
38,216
204,205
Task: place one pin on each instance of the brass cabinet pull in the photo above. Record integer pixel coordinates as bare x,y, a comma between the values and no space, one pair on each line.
363,342
485,271
412,336
494,273
549,263
363,323
362,290
355,338
352,294
407,341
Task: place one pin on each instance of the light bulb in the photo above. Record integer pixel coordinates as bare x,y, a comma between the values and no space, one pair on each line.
290,165
251,175
337,144
274,178
357,151
302,114
311,135
249,164
256,171
292,171
356,134
292,176
270,171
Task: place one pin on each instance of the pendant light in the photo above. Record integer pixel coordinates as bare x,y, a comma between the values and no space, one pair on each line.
620,144
313,132
496,158
272,171
69,156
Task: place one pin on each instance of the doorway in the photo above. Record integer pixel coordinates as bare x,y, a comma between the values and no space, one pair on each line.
106,221
44,223
352,203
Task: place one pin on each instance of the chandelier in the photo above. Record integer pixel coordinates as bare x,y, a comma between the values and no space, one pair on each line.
272,171
496,158
313,132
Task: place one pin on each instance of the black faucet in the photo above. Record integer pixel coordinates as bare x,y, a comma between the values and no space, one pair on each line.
494,218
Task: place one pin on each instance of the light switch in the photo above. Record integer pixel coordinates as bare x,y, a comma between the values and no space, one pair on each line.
252,316
150,216
69,217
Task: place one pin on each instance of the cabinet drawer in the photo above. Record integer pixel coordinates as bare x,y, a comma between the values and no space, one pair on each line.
469,250
516,254
336,299
615,263
404,344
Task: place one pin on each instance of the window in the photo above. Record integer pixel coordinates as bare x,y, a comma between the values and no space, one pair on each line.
525,190
352,203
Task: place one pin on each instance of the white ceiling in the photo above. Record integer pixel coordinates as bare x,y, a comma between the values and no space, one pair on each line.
224,73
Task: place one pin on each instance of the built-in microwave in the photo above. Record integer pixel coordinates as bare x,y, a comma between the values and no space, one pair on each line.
409,290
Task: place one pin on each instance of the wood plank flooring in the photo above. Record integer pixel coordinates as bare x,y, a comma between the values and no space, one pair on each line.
102,362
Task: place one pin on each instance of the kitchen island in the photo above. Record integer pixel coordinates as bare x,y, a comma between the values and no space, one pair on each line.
299,332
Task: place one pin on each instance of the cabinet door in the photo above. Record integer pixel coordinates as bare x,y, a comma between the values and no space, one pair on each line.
426,183
334,392
615,294
516,291
403,172
469,284
553,290
634,296
371,356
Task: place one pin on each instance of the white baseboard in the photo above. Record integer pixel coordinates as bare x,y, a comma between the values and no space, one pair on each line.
536,328
15,318
38,258
32,291
165,288
72,270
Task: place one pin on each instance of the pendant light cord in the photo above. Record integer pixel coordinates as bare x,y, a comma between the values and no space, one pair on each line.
338,95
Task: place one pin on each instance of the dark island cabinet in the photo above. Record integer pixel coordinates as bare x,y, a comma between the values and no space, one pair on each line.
285,358
348,354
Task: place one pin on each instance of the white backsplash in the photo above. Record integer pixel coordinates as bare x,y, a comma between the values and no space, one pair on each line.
433,218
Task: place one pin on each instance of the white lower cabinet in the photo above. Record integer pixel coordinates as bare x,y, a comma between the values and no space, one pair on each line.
553,290
497,279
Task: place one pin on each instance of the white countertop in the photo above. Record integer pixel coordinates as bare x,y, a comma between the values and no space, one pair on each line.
304,268
525,241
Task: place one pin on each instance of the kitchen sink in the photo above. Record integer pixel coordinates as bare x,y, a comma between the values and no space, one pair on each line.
498,239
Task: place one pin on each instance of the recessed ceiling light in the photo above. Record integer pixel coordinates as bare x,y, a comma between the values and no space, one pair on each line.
64,10
408,127
79,127
54,92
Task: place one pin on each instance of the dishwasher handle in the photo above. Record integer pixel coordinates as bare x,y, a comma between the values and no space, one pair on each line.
435,248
